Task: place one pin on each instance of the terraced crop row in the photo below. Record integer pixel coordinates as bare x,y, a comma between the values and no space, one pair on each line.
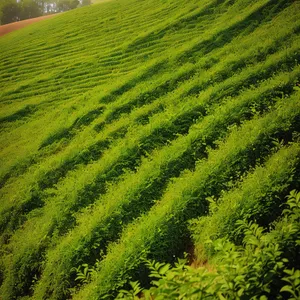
123,127
165,131
258,197
220,74
163,229
153,190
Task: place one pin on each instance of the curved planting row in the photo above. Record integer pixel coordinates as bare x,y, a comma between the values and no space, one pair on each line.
162,232
149,187
30,61
259,197
220,75
50,178
64,132
96,187
135,133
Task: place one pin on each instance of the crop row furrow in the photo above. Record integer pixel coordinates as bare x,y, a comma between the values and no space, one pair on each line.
92,153
219,76
91,75
162,232
152,37
144,118
20,114
228,85
66,54
274,62
18,75
238,26
258,198
152,188
78,124
119,134
22,166
177,104
284,60
148,73
150,96
128,160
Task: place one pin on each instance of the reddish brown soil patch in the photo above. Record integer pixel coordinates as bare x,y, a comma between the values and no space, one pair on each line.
4,29
195,263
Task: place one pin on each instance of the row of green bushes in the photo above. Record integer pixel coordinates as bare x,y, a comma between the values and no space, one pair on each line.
242,80
287,30
261,267
91,196
77,194
162,231
184,151
175,166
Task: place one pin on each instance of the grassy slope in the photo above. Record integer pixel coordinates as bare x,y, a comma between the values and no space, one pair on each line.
103,107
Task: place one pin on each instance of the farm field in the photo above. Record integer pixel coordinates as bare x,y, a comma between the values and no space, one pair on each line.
5,29
151,149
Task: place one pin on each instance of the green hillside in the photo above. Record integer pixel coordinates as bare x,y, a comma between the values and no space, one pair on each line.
136,130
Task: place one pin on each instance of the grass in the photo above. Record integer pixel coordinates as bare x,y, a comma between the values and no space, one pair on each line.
133,121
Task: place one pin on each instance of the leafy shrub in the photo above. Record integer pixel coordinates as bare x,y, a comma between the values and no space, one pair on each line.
255,270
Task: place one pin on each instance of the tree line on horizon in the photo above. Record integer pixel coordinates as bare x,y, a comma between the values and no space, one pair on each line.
18,10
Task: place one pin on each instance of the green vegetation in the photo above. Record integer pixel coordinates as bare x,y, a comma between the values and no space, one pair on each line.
143,130
254,270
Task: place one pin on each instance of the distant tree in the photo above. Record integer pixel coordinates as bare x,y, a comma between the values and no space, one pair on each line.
16,10
86,2
10,11
64,5
31,9
74,3
49,8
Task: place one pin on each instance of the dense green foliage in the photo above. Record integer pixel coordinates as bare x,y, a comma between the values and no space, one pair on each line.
258,269
139,130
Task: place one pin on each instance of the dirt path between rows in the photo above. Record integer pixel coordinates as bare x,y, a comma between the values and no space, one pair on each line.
4,29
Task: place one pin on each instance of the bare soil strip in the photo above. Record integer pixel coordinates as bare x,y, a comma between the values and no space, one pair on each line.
4,29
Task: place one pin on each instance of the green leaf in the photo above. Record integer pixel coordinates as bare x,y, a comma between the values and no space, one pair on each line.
164,269
221,297
287,288
240,292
